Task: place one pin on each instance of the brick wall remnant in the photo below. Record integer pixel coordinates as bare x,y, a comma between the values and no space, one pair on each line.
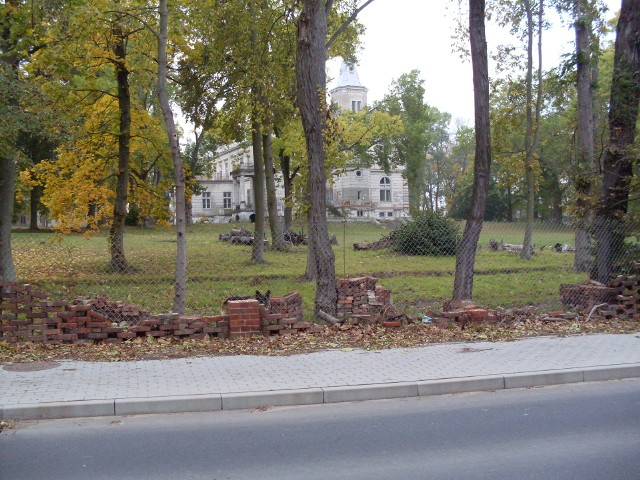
25,316
362,300
622,294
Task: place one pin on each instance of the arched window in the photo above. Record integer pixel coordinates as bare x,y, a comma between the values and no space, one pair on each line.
385,189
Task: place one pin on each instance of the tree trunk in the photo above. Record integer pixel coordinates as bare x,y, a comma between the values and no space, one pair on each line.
116,234
287,178
190,179
178,169
311,272
623,117
311,85
275,225
465,260
584,167
533,124
7,192
34,207
7,162
257,252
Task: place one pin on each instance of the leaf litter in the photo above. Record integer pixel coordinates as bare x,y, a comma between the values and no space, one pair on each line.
345,338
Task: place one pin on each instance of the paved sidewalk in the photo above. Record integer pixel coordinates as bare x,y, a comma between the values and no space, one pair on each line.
74,389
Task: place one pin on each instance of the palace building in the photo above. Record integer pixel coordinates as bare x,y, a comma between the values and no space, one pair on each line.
358,193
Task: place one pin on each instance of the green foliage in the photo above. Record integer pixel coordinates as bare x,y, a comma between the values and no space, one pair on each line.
428,234
499,201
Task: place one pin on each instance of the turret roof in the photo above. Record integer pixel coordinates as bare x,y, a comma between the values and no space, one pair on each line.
348,76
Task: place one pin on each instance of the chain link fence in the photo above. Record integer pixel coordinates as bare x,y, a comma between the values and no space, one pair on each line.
413,259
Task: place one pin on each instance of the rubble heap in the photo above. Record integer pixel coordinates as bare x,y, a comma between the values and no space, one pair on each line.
622,294
363,301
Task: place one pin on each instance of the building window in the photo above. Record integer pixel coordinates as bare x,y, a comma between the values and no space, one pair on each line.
226,199
359,195
385,189
381,214
389,214
206,200
360,213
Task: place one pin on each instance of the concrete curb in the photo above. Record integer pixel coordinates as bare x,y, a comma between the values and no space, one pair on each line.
311,396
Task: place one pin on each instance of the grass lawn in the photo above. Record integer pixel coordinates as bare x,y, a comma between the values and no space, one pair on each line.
73,265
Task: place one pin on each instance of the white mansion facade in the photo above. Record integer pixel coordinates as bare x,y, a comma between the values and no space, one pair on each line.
360,193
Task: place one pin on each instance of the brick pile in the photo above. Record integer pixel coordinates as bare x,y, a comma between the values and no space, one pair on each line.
465,312
289,305
622,294
586,295
285,317
116,311
626,300
361,297
25,315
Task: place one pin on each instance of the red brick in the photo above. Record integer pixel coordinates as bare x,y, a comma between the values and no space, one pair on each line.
67,325
97,336
151,323
168,326
157,333
112,340
98,324
302,325
123,335
98,316
185,331
67,336
140,329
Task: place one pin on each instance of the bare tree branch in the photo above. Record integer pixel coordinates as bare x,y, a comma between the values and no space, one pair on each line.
349,20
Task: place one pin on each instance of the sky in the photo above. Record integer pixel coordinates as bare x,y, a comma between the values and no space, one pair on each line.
402,35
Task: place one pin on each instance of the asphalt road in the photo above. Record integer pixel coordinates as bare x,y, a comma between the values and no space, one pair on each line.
584,431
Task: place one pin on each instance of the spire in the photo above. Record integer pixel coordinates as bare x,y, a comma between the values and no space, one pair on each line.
348,76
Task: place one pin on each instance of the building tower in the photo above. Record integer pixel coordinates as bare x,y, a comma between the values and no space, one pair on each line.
349,94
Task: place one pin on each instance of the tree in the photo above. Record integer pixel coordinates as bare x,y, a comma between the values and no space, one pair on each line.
23,30
311,81
533,121
311,54
407,101
9,65
465,260
178,169
585,133
619,157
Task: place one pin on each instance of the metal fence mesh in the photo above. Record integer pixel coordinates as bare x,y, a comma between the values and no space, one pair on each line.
72,266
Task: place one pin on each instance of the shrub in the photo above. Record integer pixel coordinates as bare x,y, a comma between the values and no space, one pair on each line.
427,234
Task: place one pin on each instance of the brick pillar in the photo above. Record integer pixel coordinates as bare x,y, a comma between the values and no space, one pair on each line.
244,318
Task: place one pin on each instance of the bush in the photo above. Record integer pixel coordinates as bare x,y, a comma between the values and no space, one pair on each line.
427,234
